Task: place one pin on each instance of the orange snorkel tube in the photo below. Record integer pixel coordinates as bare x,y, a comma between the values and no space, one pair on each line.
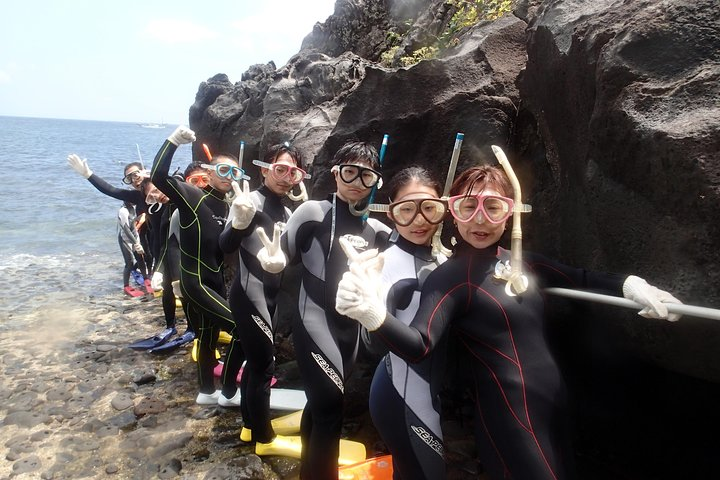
517,282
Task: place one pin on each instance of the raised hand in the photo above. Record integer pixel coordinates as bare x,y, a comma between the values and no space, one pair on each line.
242,209
79,165
361,292
650,297
271,257
181,135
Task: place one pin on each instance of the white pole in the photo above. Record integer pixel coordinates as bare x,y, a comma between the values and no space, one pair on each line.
679,308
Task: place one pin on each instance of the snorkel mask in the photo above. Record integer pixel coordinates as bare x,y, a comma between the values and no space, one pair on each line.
378,185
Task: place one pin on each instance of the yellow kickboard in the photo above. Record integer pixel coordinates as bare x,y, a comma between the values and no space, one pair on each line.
291,446
287,424
378,468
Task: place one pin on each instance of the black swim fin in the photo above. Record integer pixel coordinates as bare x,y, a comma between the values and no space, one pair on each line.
176,342
154,341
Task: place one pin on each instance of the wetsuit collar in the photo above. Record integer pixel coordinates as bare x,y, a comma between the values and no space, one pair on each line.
215,193
464,248
423,252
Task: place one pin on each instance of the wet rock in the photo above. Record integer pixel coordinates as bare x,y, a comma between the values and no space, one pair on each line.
26,419
121,401
26,465
148,406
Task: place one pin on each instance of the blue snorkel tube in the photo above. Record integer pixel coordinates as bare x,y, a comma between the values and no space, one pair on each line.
381,156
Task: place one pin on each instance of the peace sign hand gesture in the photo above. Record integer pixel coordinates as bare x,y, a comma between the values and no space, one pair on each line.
361,292
271,257
242,209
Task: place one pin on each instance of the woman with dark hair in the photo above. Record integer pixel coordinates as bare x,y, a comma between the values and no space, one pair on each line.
520,400
253,294
404,401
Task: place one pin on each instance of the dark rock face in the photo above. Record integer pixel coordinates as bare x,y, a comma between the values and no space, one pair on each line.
626,111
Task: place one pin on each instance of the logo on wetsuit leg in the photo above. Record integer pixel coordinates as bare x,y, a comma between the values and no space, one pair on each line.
428,438
329,371
263,326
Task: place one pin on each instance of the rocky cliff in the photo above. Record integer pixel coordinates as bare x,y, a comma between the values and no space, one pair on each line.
609,110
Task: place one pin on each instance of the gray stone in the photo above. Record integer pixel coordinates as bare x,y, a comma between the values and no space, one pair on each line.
26,465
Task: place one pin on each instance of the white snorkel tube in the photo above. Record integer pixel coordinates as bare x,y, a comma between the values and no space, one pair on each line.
517,282
437,246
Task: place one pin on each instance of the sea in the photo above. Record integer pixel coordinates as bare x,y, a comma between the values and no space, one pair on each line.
58,234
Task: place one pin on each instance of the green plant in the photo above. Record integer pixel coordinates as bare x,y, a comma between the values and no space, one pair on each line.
467,13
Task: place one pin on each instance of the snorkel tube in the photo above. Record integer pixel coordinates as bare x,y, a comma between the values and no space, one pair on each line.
206,149
517,282
437,245
365,211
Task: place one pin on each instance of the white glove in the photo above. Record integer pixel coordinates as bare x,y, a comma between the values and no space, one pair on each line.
176,288
361,291
156,282
271,257
652,298
242,209
181,135
137,247
79,165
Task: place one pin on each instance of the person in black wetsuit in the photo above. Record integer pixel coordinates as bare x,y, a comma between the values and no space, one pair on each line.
133,175
326,343
202,213
254,291
404,397
519,393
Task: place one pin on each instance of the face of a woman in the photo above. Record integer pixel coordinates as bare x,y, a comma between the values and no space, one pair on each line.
478,232
279,186
420,231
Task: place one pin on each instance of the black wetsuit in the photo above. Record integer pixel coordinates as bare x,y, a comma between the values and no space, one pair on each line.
253,296
326,343
404,401
167,255
202,218
520,397
135,197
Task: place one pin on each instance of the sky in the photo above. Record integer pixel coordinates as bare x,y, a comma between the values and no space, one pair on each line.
138,60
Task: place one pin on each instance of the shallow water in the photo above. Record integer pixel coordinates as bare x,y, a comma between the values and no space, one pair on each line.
58,237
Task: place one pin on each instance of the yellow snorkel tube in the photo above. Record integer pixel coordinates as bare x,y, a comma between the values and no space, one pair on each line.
517,282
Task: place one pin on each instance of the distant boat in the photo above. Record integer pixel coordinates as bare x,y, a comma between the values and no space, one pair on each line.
152,125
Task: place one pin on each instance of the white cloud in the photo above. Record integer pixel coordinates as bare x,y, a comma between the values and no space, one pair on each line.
174,31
